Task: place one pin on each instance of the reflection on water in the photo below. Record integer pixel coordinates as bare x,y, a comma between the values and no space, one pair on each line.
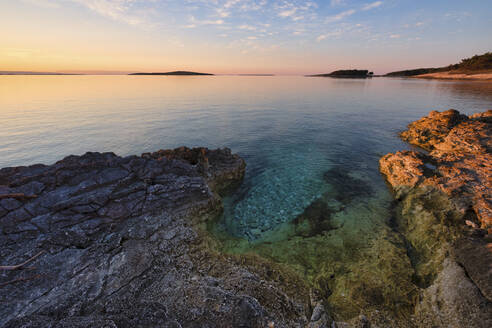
312,197
44,118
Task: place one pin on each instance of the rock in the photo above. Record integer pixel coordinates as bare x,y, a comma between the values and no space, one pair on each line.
432,129
459,162
471,254
445,213
219,167
319,317
453,301
484,116
123,247
404,169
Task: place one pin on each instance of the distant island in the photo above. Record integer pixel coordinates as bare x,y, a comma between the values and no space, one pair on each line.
478,67
172,73
347,73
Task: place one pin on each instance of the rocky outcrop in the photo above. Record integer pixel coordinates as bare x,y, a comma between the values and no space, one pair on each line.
119,244
445,212
221,169
432,129
459,163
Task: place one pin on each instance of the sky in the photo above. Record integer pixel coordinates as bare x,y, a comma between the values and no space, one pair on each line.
240,36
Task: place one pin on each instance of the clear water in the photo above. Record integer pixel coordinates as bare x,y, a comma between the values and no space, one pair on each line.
312,197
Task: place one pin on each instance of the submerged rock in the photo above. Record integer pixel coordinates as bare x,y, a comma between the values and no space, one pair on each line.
280,192
445,213
118,245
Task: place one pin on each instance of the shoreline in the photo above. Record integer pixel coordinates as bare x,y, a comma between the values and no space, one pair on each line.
455,76
445,209
124,239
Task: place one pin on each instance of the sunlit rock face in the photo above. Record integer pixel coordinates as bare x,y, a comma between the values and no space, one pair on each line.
445,212
432,129
459,162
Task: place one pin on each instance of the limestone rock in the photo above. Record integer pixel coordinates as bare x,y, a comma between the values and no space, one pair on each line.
445,212
459,162
431,129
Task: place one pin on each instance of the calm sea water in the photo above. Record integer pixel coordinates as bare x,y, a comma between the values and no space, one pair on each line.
290,130
312,196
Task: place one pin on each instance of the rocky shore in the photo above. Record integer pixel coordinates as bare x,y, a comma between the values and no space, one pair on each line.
114,241
485,76
444,195
101,240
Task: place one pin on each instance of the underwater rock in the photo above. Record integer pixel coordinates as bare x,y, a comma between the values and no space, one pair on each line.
445,213
279,192
115,242
345,187
316,219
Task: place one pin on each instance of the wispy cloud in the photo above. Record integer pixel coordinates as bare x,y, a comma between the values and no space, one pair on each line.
119,10
247,27
395,36
333,34
340,16
296,11
42,3
372,5
196,22
288,13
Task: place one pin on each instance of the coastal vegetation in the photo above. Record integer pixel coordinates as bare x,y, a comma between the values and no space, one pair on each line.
346,73
473,65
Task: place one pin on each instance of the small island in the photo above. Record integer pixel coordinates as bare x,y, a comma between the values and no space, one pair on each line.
478,67
347,73
172,73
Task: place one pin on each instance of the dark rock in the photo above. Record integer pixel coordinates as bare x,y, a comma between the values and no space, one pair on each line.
472,254
122,246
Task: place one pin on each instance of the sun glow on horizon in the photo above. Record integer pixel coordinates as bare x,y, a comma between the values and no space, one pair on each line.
238,36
